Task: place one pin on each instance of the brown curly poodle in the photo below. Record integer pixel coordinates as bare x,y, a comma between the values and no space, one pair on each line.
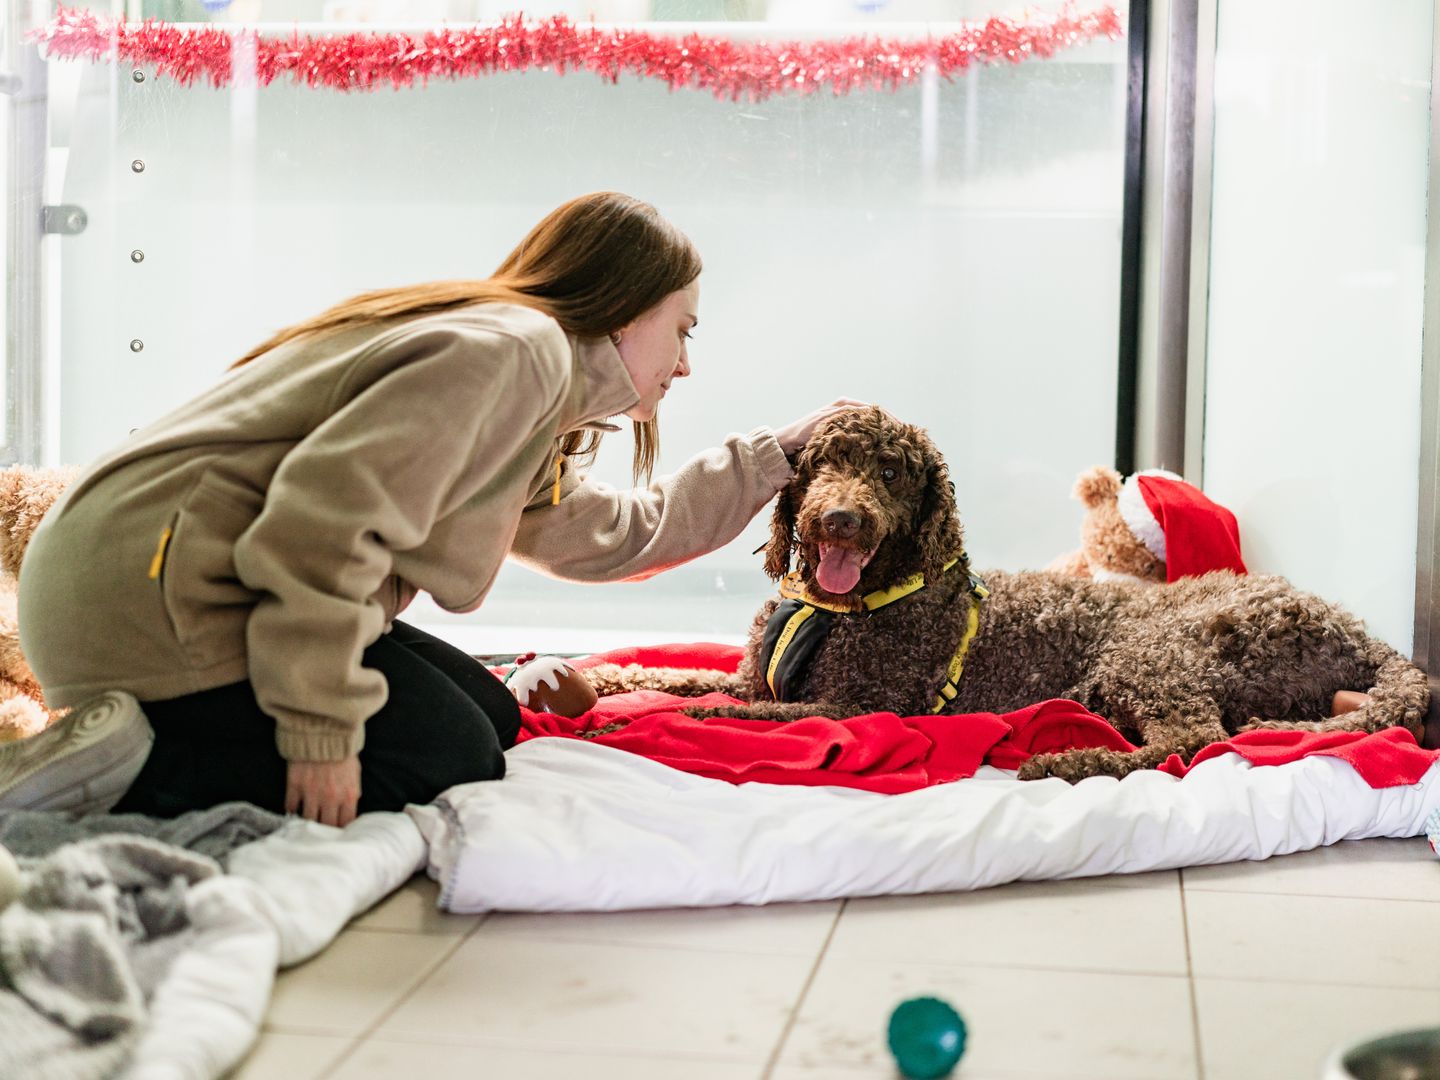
1173,667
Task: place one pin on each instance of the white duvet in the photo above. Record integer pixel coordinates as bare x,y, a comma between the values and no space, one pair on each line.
580,827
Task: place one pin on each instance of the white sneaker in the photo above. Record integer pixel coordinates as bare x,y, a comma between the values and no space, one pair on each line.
82,763
9,878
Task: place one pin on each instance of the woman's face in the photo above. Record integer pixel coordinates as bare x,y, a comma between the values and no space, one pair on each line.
653,348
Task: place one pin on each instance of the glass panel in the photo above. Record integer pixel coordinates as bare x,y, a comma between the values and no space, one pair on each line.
1317,260
949,249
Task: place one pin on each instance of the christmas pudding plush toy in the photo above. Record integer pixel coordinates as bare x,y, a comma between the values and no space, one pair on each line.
549,684
1151,527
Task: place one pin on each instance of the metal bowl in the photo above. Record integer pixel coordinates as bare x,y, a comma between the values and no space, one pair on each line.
1405,1055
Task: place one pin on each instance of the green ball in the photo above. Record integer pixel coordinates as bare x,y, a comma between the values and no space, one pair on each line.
927,1038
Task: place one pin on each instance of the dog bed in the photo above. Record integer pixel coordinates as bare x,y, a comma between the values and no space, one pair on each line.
669,811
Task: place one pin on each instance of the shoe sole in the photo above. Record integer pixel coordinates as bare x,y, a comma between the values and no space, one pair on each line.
78,763
9,878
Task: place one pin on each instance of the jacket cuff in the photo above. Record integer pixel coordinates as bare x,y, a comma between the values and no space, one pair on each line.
773,462
315,745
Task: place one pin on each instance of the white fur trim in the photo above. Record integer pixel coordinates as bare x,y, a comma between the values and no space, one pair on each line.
1137,515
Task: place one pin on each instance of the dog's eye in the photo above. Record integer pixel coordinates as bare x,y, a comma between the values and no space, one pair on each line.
888,474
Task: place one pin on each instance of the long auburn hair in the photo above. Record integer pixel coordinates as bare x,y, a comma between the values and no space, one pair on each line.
593,265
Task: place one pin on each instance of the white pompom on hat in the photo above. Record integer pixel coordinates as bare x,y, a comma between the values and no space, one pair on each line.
1178,524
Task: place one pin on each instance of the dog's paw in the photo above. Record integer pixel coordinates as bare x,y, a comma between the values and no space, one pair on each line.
1034,768
1073,766
1042,766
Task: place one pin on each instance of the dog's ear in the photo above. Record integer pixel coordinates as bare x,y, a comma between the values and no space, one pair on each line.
937,524
787,507
782,533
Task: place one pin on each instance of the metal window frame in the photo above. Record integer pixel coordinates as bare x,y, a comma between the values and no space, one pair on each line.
1132,260
1170,131
1426,651
24,94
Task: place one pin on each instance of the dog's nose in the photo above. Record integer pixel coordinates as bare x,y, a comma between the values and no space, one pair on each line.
841,524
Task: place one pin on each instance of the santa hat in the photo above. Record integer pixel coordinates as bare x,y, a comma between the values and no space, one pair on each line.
1177,524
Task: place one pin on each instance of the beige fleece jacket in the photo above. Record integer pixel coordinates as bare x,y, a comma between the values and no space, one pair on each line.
272,528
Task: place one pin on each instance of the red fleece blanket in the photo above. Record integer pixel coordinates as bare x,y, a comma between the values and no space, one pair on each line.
887,753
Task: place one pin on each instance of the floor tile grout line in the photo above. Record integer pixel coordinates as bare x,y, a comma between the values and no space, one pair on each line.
646,946
1019,966
589,1053
341,1057
406,929
1190,982
1301,979
774,1060
1313,895
362,1037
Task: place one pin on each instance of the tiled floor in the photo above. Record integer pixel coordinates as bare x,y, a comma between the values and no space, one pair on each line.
1252,970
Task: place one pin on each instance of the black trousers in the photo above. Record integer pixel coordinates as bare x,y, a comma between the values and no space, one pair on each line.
447,721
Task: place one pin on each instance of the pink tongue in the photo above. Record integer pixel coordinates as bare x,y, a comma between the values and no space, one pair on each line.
839,569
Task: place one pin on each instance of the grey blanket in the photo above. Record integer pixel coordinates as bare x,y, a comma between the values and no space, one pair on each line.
100,917
215,832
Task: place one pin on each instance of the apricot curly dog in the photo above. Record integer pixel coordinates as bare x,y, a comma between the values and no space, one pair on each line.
1173,667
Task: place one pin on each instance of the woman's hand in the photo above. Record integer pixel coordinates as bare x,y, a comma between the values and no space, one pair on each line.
323,791
795,435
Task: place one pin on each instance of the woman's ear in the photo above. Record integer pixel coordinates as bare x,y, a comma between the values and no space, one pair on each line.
782,534
937,524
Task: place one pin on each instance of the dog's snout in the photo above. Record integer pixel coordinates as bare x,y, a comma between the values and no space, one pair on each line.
840,524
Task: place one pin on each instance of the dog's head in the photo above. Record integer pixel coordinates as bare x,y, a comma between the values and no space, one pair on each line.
870,504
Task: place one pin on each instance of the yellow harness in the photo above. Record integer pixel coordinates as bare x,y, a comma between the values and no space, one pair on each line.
798,618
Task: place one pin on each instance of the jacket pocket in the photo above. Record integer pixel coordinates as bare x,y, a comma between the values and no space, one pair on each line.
207,605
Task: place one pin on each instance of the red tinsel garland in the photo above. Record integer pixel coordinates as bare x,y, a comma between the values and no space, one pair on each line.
753,70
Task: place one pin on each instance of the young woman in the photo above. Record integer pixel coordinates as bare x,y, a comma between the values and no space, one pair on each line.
237,567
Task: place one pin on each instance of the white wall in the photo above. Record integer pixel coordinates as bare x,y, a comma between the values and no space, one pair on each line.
1312,423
